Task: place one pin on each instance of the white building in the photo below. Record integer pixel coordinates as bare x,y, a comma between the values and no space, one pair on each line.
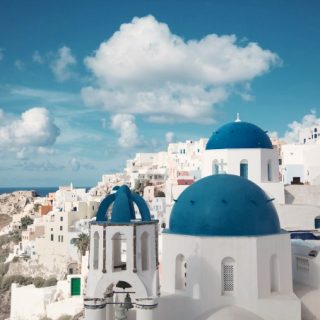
224,254
245,150
56,248
301,163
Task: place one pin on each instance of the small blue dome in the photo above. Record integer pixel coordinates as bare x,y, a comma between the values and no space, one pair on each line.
123,208
224,205
239,135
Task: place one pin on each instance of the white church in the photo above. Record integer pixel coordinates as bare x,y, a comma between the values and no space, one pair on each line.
224,255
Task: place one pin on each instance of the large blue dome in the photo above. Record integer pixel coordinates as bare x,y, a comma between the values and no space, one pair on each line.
224,205
240,135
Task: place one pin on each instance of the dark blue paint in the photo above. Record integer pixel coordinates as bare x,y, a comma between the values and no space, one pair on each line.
224,205
123,208
239,135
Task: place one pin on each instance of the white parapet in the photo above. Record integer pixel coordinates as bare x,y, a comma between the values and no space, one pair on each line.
146,308
95,309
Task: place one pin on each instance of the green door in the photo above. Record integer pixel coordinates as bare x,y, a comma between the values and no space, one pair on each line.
75,286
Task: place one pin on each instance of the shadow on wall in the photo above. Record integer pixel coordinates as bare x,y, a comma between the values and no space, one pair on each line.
289,198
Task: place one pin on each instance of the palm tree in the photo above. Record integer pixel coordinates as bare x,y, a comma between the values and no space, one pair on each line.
82,243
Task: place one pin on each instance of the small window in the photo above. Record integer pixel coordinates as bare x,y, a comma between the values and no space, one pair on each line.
244,169
61,238
60,228
302,264
228,271
51,237
61,218
269,171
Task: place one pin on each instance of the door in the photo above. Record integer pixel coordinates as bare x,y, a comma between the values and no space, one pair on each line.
75,286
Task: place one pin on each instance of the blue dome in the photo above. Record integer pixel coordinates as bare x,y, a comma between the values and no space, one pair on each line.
123,208
224,205
239,135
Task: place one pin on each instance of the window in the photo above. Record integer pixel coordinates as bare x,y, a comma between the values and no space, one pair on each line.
244,169
51,237
61,238
96,240
227,271
181,273
274,274
144,251
302,264
61,218
119,252
60,228
269,171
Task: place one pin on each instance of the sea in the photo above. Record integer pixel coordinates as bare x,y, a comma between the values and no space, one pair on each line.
41,191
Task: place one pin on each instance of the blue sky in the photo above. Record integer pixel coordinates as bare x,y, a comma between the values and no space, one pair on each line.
84,85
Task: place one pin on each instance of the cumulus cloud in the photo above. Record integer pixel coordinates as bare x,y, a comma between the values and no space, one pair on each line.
37,57
62,64
19,65
125,126
169,137
145,69
35,128
41,166
309,120
75,164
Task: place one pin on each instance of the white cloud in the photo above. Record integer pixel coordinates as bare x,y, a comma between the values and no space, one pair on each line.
309,120
273,135
145,69
19,65
124,125
169,137
37,57
35,128
75,164
62,64
47,96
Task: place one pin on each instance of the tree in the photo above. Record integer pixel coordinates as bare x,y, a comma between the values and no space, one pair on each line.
159,193
82,243
25,222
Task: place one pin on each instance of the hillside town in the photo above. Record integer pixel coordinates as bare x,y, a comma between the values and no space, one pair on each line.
52,266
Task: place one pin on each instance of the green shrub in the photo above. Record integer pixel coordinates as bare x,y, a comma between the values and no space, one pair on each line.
65,317
39,282
50,282
7,281
4,267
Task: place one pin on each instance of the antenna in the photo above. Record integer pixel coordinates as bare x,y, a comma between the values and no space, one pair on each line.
238,118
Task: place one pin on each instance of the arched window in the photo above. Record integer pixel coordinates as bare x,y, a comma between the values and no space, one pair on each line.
244,169
269,171
144,251
96,240
274,274
215,167
181,272
228,276
119,252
